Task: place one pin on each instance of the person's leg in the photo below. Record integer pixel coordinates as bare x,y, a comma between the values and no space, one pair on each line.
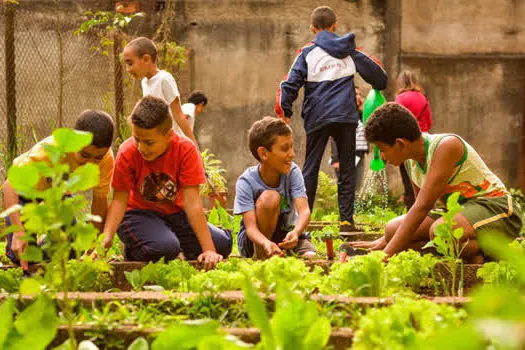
315,146
344,136
147,237
181,229
267,211
408,195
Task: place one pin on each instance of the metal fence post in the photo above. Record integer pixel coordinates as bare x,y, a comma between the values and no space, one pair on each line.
10,79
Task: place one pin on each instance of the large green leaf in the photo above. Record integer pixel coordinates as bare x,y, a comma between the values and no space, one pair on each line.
139,344
85,236
318,335
33,254
30,286
185,336
35,327
69,140
23,179
6,319
83,178
258,314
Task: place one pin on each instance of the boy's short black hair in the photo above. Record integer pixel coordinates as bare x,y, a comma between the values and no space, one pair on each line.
390,122
263,133
100,124
323,17
152,112
144,46
198,97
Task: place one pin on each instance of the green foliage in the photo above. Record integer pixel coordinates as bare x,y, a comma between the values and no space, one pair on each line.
362,276
296,323
33,328
199,335
447,241
219,217
215,172
10,279
173,275
57,215
410,269
404,324
83,276
326,197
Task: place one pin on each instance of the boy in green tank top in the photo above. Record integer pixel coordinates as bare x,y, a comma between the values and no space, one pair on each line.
438,165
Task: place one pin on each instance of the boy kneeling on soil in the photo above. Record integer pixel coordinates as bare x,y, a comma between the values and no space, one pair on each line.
156,209
98,123
271,196
439,165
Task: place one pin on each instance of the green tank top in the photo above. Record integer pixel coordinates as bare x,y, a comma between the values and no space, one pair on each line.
471,178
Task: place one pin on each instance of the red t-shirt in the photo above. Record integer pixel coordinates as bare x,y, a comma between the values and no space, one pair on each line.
418,104
155,185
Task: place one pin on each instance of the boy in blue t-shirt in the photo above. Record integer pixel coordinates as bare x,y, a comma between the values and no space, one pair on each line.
271,195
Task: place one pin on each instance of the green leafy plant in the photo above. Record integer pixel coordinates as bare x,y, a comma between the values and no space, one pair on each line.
447,242
215,172
218,216
34,328
362,276
326,194
404,323
411,269
62,218
296,323
173,275
10,279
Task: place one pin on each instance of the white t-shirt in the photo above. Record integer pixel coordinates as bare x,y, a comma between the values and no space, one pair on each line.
189,110
162,85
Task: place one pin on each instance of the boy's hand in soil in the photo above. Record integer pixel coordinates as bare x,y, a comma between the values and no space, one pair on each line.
108,241
290,241
18,246
271,249
210,259
378,244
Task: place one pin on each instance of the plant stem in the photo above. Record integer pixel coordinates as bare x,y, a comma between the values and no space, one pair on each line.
66,308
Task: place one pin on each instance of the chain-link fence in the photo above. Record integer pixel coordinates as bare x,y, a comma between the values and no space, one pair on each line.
49,75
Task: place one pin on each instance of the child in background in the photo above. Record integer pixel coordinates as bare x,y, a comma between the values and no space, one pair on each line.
140,59
411,95
271,195
101,125
195,106
439,165
326,67
156,209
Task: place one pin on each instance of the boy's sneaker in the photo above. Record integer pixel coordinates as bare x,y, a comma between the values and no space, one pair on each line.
347,227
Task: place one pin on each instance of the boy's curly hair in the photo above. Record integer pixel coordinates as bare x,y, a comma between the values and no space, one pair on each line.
152,112
263,133
100,124
389,122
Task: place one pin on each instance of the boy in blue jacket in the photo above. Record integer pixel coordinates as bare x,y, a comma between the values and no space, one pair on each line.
326,68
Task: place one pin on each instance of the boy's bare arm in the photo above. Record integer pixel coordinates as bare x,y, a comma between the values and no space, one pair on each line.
99,206
194,211
11,198
116,212
303,210
182,120
447,155
257,237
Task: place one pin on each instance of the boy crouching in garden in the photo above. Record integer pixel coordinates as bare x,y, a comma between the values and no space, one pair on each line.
156,209
98,123
271,196
439,165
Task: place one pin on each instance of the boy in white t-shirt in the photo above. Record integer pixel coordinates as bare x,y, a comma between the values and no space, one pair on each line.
140,59
195,106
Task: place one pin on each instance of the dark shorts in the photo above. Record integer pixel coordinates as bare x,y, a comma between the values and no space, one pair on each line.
148,236
495,214
247,249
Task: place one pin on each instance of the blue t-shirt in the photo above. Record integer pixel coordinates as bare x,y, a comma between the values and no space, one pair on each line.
250,186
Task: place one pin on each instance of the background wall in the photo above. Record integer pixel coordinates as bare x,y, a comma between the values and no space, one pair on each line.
470,57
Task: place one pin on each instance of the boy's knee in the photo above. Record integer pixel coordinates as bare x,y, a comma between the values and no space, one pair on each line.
433,229
222,239
168,249
390,229
269,200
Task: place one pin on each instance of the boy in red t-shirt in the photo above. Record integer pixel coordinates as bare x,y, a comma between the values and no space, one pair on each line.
156,209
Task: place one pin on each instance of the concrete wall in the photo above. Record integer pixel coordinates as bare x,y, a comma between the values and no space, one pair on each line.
469,55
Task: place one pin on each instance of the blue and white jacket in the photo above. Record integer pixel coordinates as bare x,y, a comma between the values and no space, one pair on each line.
326,67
